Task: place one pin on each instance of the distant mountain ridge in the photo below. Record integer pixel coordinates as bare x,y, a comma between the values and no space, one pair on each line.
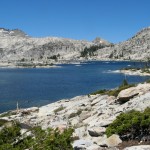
135,48
16,47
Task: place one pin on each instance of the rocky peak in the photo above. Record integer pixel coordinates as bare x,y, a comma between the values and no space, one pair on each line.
17,32
144,33
100,41
14,32
144,30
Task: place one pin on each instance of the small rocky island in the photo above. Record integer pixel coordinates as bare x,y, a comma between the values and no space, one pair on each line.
90,116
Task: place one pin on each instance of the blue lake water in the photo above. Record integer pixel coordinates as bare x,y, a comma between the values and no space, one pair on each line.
36,87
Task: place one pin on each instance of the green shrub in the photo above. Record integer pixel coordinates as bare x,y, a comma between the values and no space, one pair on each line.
53,139
134,123
7,114
59,109
8,135
99,92
124,83
114,92
2,122
148,81
75,114
54,57
90,51
50,139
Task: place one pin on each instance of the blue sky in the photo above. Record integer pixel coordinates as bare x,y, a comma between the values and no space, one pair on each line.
113,20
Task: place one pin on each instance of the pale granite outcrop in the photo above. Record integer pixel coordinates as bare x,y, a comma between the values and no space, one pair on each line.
88,115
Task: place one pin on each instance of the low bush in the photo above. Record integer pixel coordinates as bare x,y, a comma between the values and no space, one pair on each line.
148,81
59,109
99,92
50,139
135,124
75,114
2,122
113,92
7,114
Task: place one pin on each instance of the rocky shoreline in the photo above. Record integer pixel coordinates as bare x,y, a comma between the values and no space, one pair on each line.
134,72
51,64
89,115
28,65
